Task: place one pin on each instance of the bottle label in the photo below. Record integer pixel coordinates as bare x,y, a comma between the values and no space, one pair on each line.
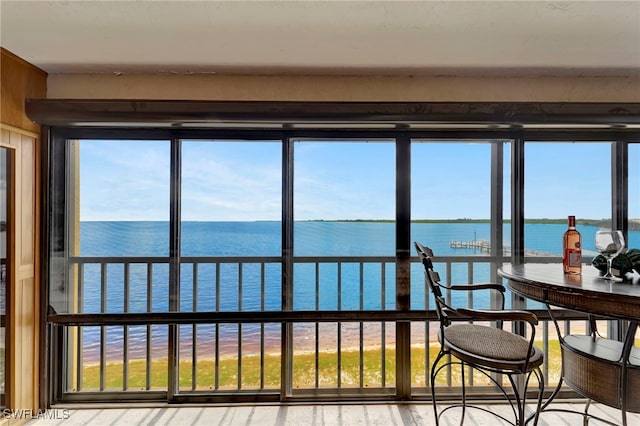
573,257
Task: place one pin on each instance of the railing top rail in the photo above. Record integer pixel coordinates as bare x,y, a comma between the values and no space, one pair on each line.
297,259
212,317
201,317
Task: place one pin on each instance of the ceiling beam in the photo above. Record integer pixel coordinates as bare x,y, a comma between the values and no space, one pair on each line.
70,112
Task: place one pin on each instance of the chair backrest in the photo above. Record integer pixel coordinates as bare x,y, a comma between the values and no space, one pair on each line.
432,280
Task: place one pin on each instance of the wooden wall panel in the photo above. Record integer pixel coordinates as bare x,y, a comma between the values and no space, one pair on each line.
23,338
20,80
5,135
26,319
27,179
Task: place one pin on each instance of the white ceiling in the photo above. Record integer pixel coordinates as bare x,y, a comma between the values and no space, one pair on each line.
331,37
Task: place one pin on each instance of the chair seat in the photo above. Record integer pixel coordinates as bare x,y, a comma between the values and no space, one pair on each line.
607,349
594,368
496,348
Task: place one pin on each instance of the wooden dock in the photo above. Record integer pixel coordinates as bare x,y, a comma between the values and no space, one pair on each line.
483,245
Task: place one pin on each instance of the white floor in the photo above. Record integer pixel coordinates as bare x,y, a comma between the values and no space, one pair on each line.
300,415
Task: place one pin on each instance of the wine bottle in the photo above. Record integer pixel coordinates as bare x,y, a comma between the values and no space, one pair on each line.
572,249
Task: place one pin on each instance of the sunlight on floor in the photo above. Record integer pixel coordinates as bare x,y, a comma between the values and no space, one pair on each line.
299,415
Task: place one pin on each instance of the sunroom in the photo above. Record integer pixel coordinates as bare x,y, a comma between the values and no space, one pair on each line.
189,243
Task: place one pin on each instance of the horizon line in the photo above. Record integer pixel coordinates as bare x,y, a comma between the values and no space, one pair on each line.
462,220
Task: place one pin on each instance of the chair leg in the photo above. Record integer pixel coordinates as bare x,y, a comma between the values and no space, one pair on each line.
623,409
540,378
521,402
518,411
434,372
585,417
433,396
464,393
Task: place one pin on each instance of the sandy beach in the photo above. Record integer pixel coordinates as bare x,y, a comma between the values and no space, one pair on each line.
307,338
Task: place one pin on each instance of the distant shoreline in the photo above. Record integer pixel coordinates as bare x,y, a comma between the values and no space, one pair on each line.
633,223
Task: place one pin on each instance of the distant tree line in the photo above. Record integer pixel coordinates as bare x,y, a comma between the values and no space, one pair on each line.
634,224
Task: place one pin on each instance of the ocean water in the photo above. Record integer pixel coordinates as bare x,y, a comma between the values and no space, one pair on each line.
311,238
336,289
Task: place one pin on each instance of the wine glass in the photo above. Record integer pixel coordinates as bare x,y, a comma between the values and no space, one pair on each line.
610,244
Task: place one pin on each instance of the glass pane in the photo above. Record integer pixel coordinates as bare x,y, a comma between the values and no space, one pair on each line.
231,198
506,193
117,206
451,196
231,208
451,210
344,205
344,198
122,210
562,179
123,194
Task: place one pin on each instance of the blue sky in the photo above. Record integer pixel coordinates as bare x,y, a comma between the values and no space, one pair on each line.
129,180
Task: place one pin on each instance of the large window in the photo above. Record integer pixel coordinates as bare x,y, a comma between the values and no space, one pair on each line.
249,265
121,211
344,206
451,209
231,207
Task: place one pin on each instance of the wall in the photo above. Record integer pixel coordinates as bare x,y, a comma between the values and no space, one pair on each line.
343,88
19,81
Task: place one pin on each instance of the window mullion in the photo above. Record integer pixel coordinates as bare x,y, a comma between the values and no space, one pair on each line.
619,209
174,263
403,265
286,376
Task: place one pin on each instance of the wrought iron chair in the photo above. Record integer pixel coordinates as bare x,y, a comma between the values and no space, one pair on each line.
488,349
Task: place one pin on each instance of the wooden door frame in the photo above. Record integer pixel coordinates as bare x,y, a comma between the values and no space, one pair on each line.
23,291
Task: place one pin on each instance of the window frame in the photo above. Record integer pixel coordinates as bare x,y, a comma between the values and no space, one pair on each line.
57,172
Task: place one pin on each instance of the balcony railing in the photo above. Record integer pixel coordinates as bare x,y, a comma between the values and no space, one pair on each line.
230,338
